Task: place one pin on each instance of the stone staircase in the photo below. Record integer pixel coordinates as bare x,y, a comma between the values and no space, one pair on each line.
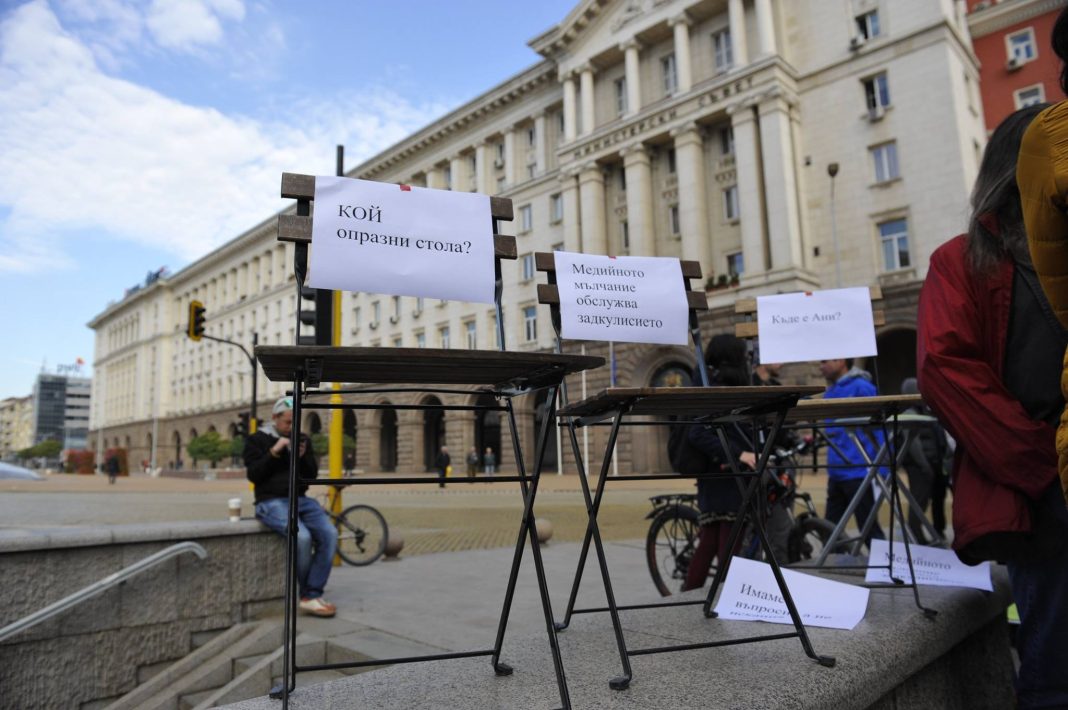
245,661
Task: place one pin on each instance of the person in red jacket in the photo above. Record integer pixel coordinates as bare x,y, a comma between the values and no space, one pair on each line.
988,363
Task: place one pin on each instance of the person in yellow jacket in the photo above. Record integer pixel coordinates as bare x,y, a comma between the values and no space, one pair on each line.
1042,174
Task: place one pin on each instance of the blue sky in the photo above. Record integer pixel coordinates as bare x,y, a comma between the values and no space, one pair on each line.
141,134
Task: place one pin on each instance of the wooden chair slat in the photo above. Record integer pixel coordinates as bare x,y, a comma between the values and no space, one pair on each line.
302,187
295,228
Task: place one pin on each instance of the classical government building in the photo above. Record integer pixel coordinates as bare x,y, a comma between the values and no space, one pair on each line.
785,145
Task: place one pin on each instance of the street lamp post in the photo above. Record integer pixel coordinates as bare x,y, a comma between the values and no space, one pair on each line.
832,171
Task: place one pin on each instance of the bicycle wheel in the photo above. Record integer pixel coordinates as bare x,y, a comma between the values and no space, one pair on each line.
670,545
808,537
361,535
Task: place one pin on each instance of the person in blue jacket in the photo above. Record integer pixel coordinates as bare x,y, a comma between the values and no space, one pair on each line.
846,470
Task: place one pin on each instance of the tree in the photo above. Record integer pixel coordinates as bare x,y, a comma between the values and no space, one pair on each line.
209,447
48,449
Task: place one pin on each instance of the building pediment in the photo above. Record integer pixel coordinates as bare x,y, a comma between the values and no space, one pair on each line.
595,26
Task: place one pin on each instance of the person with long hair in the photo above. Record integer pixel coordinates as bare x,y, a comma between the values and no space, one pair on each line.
988,363
1042,174
719,499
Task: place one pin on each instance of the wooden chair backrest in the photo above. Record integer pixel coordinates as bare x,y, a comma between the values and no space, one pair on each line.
549,294
298,227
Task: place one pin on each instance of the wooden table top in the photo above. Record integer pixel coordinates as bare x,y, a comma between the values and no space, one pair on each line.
421,365
740,402
688,401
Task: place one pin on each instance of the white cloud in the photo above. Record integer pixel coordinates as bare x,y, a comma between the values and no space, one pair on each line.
84,151
185,24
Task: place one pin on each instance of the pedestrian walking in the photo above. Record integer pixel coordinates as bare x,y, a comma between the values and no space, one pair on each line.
489,461
441,463
472,462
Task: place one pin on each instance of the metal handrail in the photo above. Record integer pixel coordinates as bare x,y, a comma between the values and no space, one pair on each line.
103,585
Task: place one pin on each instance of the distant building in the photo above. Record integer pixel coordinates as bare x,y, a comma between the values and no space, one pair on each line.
1017,68
16,426
61,410
701,129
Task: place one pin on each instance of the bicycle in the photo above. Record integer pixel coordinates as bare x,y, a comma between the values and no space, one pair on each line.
362,533
673,532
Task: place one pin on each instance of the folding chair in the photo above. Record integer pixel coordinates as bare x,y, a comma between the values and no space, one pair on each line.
715,406
505,375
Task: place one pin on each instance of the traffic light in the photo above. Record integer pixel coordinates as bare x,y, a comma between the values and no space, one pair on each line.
196,320
242,425
321,318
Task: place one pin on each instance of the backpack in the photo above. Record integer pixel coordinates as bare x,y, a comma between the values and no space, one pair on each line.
684,457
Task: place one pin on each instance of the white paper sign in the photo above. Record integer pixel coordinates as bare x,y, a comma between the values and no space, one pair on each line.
378,237
630,299
934,566
818,325
751,594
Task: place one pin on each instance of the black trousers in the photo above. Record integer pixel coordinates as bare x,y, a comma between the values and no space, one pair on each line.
840,493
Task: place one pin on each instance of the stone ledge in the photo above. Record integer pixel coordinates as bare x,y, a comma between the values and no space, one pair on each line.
29,539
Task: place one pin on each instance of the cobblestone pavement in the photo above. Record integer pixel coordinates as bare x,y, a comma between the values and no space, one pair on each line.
459,517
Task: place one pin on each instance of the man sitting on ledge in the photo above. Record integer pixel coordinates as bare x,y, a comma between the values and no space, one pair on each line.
266,457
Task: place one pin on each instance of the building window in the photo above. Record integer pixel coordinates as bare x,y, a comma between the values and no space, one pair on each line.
868,25
526,218
530,137
624,234
735,264
472,335
495,330
527,262
376,313
556,208
1029,96
398,342
622,179
1021,45
419,302
501,184
443,336
530,323
499,149
894,236
726,140
671,161
670,78
448,177
621,96
532,170
560,127
673,219
730,203
559,246
721,49
877,92
420,339
396,310
885,159
356,319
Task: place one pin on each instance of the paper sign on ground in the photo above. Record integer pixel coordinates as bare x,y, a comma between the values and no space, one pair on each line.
933,566
378,237
819,325
751,594
631,299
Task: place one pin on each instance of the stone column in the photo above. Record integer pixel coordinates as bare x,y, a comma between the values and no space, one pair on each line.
633,73
693,210
780,188
765,27
681,25
592,210
569,193
739,43
750,201
509,157
639,200
456,169
541,159
482,169
586,80
434,178
569,108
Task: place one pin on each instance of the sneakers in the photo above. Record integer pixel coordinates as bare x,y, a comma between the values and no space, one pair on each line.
317,607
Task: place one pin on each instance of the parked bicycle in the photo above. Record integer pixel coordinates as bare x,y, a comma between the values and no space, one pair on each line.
673,533
362,533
